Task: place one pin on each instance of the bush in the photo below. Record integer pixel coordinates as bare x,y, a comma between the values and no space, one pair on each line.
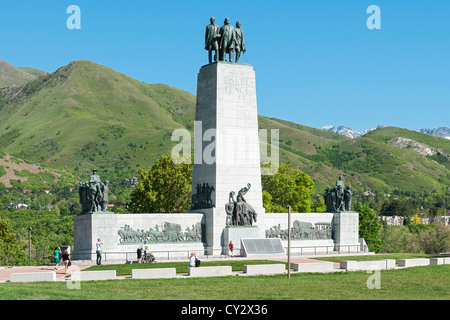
435,240
432,239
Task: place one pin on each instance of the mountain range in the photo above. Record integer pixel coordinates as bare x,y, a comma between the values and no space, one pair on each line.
85,115
348,132
442,132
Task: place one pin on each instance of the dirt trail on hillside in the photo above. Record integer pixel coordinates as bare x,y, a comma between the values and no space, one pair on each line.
10,163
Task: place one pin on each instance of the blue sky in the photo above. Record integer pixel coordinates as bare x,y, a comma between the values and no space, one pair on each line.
316,62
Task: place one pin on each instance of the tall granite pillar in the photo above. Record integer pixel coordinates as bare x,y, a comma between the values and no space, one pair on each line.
226,142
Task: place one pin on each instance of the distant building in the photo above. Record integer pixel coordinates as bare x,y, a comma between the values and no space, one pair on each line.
393,220
17,206
444,219
398,220
368,194
131,181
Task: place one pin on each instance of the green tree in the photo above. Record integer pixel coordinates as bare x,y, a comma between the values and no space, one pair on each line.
396,239
288,186
319,204
49,230
435,240
369,227
164,188
10,251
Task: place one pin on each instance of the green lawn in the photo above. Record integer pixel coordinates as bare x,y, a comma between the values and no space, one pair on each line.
181,267
426,283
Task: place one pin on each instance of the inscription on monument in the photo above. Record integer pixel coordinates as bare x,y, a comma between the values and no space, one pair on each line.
236,85
263,246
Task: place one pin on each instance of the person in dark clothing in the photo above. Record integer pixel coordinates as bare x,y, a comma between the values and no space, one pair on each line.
66,260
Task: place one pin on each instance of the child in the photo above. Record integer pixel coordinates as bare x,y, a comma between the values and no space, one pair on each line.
230,248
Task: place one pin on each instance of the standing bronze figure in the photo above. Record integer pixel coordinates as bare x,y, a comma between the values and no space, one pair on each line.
239,43
211,39
93,195
338,198
239,212
226,41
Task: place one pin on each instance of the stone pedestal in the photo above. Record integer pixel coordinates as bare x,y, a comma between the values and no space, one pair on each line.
226,142
346,229
235,234
87,229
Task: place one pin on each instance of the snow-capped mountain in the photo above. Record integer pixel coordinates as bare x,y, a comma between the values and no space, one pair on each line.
348,132
442,132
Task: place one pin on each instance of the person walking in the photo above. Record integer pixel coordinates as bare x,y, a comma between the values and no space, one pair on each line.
66,260
56,257
98,250
139,253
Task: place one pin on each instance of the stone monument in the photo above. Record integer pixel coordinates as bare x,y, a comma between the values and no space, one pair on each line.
226,148
345,221
226,203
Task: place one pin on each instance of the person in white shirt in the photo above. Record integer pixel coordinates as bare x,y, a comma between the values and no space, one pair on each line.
192,260
98,250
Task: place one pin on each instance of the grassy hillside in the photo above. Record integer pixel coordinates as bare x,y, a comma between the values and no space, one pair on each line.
372,162
11,75
85,115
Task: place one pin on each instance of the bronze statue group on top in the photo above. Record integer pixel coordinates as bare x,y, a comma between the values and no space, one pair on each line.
223,41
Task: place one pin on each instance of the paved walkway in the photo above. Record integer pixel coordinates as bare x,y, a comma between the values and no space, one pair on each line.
5,272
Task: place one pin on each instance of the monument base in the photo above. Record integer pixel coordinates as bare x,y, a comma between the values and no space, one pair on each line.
166,235
236,233
262,247
346,228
